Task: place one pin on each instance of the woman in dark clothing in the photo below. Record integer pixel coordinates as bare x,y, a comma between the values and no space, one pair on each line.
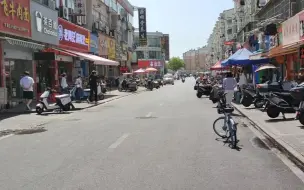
93,87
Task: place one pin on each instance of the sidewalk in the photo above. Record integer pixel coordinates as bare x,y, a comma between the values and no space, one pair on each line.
287,135
25,120
109,96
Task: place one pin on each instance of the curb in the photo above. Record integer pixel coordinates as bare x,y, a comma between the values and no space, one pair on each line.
290,152
112,99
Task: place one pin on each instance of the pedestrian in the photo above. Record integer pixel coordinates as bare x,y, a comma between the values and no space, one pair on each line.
229,84
93,86
27,84
242,81
78,91
64,85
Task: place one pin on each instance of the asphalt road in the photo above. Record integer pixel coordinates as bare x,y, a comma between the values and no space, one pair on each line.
154,140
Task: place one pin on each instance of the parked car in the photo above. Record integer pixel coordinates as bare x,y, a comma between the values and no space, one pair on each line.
168,79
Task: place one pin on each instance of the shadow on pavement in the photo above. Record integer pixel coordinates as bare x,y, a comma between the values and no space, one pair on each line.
279,120
7,115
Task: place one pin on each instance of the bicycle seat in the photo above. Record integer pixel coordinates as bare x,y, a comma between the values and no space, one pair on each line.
228,110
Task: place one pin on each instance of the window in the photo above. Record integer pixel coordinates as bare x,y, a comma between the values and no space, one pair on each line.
140,54
154,55
153,41
229,31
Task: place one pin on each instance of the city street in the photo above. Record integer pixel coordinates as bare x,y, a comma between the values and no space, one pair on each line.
151,140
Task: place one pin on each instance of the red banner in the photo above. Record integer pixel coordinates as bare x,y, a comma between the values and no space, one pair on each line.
73,37
15,17
150,63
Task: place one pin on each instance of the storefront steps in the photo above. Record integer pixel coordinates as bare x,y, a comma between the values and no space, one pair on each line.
286,135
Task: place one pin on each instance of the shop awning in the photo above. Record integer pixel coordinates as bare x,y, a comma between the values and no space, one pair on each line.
280,50
97,60
23,43
59,52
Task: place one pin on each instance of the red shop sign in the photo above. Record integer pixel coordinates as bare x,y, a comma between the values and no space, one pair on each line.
73,37
150,63
15,17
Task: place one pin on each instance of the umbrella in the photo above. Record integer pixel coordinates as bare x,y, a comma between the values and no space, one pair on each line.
264,67
151,69
140,71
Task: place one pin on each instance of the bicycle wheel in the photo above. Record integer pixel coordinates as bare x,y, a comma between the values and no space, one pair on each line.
220,127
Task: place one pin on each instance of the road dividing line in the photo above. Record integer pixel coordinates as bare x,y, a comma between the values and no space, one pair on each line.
119,141
149,114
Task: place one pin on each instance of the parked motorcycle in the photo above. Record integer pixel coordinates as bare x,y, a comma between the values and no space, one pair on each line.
149,84
282,102
63,102
250,96
128,85
298,93
204,89
183,80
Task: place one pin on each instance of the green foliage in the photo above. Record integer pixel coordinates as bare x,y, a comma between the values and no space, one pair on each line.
176,63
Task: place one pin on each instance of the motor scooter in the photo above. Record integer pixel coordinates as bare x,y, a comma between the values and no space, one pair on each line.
101,90
183,79
63,103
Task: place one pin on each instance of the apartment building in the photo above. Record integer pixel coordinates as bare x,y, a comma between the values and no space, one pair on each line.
196,60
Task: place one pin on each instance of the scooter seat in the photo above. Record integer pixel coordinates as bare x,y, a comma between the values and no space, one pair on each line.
86,90
62,96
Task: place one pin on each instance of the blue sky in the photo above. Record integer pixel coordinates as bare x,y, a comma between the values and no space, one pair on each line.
189,23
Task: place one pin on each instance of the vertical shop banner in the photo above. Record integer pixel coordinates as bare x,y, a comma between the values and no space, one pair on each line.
93,43
291,30
301,23
72,36
142,26
111,48
102,45
15,17
167,47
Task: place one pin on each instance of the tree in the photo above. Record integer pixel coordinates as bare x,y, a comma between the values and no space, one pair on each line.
176,63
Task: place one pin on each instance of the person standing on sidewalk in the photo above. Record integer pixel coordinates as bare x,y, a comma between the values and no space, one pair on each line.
229,84
93,86
78,91
27,84
64,85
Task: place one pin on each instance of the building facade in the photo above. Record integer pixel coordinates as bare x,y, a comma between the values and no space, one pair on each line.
51,37
196,60
156,52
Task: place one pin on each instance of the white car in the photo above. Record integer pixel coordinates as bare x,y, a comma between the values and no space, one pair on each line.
168,79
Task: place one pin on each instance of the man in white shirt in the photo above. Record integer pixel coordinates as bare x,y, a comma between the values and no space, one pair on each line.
64,85
27,84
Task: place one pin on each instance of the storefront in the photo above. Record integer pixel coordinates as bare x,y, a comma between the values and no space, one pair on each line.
44,27
103,52
16,51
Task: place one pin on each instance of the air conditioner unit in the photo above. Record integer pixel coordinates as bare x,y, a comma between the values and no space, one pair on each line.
83,19
79,20
101,25
65,13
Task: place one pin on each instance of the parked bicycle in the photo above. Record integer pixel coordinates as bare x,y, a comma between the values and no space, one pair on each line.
227,129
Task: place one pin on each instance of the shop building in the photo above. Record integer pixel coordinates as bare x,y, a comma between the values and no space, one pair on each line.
16,48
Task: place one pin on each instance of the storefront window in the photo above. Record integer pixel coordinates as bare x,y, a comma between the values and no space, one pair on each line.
154,55
140,54
14,70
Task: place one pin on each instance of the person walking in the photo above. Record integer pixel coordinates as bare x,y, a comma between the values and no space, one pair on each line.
93,86
229,84
64,85
78,91
27,84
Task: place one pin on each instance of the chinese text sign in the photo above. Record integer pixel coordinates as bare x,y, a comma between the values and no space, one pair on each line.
73,36
142,26
15,17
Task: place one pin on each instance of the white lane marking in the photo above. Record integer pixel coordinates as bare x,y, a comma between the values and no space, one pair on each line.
119,141
7,136
149,114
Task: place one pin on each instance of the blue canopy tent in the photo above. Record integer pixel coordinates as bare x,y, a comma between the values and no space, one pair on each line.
241,58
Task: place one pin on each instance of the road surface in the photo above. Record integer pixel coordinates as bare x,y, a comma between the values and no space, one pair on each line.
151,141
